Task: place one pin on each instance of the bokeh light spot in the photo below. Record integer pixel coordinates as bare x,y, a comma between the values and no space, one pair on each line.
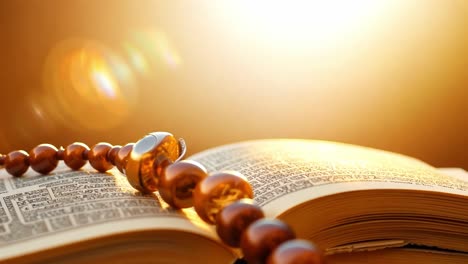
104,83
158,49
91,85
136,59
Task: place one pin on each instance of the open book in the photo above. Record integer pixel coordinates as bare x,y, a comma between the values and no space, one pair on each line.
359,204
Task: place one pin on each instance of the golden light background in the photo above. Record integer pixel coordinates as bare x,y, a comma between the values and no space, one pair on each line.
390,74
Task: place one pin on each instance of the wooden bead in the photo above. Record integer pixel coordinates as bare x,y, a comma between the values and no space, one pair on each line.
97,157
17,162
234,219
85,154
112,154
122,157
178,181
43,158
217,191
74,155
296,251
60,153
262,237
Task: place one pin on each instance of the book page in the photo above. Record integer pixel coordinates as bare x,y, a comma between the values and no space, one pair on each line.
39,212
458,173
287,172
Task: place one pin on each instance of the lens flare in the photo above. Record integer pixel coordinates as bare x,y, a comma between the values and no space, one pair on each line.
136,58
105,83
37,111
166,50
156,46
91,85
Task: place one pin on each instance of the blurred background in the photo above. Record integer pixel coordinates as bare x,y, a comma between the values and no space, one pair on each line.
389,74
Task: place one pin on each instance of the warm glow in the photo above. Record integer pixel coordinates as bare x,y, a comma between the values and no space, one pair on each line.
390,74
314,23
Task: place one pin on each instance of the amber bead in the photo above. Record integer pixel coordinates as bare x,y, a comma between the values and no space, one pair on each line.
97,157
234,219
296,251
122,157
112,154
2,159
75,155
217,191
149,157
43,158
260,239
17,162
178,181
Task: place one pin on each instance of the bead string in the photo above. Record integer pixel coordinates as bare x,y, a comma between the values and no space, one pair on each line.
45,157
224,199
